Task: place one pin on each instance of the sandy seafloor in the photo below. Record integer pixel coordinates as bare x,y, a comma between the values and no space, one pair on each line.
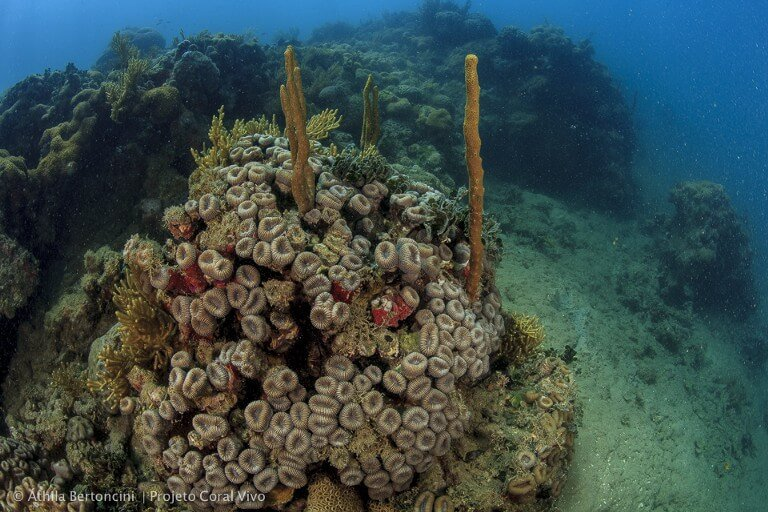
659,430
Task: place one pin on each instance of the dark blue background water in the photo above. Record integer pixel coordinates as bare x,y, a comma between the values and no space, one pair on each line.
699,68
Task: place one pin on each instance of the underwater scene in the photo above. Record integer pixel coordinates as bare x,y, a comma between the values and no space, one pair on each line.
385,256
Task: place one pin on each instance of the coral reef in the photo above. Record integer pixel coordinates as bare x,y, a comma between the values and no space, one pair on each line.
23,475
266,342
705,249
517,446
243,383
84,132
554,93
448,23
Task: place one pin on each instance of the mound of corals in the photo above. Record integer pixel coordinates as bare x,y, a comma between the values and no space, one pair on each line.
271,376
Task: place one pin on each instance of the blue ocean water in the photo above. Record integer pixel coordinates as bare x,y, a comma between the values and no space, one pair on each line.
696,71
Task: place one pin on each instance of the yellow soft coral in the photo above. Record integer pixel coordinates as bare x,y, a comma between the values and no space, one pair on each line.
124,93
260,125
320,125
222,141
123,48
145,340
524,334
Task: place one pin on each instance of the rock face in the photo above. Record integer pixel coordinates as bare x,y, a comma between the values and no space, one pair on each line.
18,276
705,247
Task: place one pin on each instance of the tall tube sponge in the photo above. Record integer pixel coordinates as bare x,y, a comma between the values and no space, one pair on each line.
371,129
295,111
475,171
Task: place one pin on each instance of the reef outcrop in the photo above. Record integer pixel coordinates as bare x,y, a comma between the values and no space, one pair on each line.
300,351
705,248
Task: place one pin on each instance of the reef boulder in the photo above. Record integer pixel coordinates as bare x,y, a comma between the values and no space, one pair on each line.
197,78
705,248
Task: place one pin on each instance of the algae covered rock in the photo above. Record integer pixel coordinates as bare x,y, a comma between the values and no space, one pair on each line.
557,95
452,24
19,275
197,78
15,191
36,103
162,104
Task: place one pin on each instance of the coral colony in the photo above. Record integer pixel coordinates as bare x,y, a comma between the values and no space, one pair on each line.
316,334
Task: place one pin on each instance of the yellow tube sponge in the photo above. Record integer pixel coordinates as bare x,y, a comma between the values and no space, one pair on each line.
475,170
295,111
371,130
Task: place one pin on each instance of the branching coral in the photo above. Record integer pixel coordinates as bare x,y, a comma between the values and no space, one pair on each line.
145,339
221,142
320,125
259,125
123,48
124,93
524,334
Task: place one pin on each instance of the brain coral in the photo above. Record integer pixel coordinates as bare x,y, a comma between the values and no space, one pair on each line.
325,495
